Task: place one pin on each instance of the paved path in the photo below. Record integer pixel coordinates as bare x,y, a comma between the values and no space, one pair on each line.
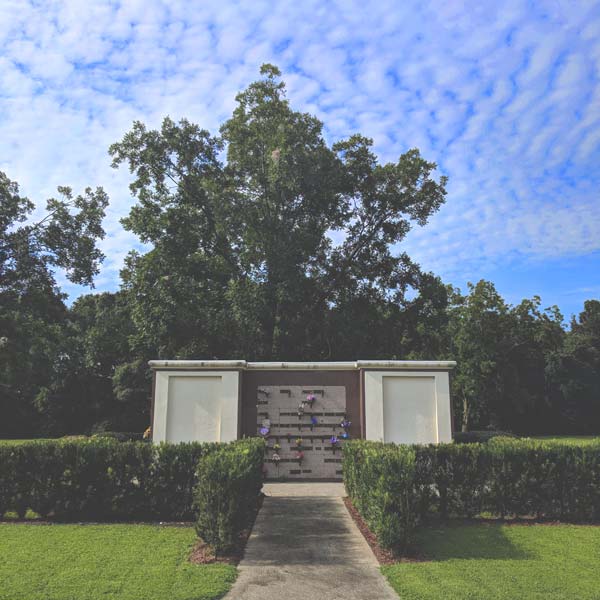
304,546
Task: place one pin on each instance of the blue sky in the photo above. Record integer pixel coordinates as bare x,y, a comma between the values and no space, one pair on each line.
504,96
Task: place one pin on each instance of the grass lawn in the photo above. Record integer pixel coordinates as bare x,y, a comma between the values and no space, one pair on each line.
89,562
499,561
568,439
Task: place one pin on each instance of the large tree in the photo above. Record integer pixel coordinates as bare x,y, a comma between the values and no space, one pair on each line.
574,370
266,241
32,311
477,336
502,352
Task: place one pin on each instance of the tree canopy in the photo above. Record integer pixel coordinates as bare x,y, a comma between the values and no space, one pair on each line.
265,241
32,311
275,234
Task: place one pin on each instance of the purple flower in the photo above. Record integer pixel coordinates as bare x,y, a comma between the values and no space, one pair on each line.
314,420
311,398
333,440
264,431
345,424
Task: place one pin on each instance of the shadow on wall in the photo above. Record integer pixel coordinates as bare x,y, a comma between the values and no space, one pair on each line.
468,541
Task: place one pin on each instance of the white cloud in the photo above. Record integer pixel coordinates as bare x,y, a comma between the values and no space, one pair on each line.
504,96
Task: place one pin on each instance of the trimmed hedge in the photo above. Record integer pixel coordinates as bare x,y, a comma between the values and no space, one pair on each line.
380,481
506,477
228,491
100,479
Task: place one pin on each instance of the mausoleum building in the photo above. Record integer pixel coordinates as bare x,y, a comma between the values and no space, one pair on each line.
304,410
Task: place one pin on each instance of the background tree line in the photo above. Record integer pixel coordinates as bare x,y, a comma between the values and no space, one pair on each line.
265,243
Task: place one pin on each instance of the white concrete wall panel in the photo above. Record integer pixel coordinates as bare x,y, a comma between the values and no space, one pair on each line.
192,412
196,406
409,410
407,407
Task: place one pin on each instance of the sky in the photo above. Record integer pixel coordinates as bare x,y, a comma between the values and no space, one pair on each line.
504,96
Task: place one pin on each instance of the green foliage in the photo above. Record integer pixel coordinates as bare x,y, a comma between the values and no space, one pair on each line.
34,349
248,238
478,437
380,481
228,490
174,479
105,562
99,479
265,242
496,561
574,373
501,353
394,486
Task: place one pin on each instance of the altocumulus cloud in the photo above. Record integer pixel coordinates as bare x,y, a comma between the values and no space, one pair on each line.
505,96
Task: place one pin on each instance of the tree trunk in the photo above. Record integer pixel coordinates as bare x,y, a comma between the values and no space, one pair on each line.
465,414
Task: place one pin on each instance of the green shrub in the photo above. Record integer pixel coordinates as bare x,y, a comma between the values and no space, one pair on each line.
546,479
393,487
456,478
173,478
227,492
380,480
100,479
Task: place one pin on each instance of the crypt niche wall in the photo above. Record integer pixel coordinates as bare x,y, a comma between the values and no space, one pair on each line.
298,413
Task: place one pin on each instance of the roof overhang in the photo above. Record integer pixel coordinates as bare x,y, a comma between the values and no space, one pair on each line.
242,365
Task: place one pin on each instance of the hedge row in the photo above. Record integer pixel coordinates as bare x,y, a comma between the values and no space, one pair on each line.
380,481
394,487
100,479
228,491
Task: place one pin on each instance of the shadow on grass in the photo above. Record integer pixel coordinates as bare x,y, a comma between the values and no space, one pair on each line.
440,542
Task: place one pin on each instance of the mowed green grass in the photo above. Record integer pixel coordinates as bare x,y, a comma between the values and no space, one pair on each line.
569,439
500,561
92,562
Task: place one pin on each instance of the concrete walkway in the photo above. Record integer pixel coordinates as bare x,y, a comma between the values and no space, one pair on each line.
304,545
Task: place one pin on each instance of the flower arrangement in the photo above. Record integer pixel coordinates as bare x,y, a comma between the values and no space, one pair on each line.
264,431
300,410
334,442
345,435
276,447
310,399
345,424
313,421
276,458
299,441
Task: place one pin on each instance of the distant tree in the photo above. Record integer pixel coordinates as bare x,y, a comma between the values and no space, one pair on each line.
574,370
534,334
32,311
478,333
243,260
81,398
265,242
502,353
